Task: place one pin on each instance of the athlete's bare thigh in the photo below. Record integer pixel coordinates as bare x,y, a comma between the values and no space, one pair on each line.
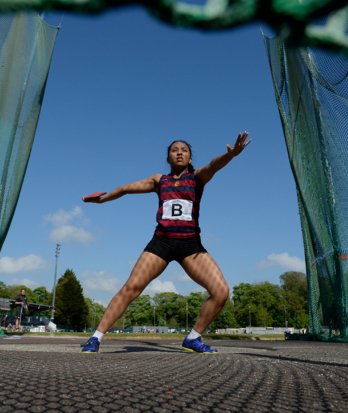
148,267
203,270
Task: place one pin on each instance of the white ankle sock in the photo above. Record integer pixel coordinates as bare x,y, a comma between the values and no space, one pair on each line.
193,334
98,334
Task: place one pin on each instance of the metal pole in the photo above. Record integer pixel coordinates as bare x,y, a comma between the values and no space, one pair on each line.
94,315
249,317
285,318
55,281
186,316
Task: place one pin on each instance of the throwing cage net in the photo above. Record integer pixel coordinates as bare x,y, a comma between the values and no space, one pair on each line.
292,19
311,89
26,45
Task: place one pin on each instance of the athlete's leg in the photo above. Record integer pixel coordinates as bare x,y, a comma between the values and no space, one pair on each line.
203,270
148,267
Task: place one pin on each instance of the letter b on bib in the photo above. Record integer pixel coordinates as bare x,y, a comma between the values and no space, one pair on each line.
178,209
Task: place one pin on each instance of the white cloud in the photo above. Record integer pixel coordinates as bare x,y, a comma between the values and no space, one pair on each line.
284,260
62,217
65,228
31,262
70,233
100,281
157,286
184,278
25,281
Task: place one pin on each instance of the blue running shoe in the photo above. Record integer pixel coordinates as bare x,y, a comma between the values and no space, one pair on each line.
196,346
91,346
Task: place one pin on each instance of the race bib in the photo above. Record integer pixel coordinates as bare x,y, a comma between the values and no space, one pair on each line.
178,209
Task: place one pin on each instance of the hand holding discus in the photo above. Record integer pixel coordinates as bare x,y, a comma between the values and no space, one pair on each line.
95,197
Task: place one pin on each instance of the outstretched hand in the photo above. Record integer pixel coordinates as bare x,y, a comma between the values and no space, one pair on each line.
240,145
95,197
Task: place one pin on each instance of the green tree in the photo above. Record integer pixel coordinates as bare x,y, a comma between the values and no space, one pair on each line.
95,313
71,309
41,296
294,293
195,301
226,318
167,308
295,282
182,315
257,304
139,312
268,304
3,290
13,291
262,316
243,304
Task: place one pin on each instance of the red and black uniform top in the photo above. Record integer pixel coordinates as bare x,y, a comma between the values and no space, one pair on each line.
178,211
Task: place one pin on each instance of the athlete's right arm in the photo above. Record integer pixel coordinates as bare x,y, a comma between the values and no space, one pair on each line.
139,187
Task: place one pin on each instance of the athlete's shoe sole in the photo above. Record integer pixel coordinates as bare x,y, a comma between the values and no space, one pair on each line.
190,350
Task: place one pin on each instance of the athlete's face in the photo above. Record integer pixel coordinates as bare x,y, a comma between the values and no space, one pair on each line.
179,155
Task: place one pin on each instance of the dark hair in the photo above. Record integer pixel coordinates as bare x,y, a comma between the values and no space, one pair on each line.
190,166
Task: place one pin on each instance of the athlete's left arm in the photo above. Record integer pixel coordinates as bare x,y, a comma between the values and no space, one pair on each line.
205,173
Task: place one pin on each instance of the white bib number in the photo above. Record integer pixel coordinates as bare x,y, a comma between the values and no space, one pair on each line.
178,209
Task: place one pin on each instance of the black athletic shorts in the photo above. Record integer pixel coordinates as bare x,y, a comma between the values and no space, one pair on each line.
174,249
18,311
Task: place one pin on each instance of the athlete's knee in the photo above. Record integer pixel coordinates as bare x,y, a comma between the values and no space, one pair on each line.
131,292
225,293
222,294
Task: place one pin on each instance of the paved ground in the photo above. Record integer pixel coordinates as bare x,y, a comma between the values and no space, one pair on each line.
49,374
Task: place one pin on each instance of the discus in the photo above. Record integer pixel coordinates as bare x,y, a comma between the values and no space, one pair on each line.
93,197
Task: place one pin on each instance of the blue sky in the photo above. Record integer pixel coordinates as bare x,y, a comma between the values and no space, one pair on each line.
122,86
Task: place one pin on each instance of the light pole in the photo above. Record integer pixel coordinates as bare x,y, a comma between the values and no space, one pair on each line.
93,315
285,318
54,282
249,317
186,316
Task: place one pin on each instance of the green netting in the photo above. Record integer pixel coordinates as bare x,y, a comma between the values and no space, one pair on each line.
26,46
292,19
311,89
